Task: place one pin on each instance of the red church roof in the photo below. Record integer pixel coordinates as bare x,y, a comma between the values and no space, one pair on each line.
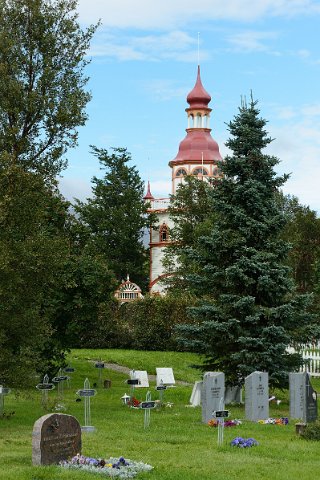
198,143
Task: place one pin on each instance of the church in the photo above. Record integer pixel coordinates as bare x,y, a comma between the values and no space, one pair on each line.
197,155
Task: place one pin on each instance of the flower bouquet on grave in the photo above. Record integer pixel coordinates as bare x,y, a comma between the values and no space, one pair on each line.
274,421
244,442
112,467
134,402
227,423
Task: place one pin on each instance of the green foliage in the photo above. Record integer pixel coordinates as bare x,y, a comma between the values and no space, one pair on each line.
149,323
146,324
32,250
116,215
42,82
303,232
312,431
191,212
249,313
83,300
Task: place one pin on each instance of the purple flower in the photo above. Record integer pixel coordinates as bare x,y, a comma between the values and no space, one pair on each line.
243,442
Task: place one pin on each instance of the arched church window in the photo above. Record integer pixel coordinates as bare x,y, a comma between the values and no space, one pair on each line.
164,233
181,172
199,120
200,171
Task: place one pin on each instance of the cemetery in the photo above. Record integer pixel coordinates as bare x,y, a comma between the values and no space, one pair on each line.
166,436
96,374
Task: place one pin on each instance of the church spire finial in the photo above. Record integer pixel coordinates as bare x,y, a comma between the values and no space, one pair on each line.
198,49
148,195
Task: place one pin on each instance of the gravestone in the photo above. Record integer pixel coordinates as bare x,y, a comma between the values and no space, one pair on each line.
107,383
212,395
142,376
303,399
195,398
55,437
4,391
257,396
165,376
233,395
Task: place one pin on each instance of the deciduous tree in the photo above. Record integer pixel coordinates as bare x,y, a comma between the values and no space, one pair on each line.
42,82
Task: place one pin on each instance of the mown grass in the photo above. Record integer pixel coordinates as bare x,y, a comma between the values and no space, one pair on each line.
177,444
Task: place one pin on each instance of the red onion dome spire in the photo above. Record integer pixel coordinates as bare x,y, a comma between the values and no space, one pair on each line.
198,97
148,195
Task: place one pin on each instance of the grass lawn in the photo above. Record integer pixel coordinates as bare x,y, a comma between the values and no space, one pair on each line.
177,444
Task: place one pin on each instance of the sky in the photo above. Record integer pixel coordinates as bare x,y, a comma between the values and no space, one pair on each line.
144,59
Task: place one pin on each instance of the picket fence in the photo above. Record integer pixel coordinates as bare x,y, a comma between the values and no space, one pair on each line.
313,362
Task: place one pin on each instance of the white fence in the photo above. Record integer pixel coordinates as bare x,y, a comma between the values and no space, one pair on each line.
313,362
311,355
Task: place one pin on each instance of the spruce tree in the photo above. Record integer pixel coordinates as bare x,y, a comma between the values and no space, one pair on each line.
116,215
249,310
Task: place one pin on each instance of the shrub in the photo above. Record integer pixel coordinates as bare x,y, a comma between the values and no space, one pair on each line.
312,431
149,323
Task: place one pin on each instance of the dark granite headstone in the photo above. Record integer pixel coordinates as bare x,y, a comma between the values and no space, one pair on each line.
311,398
303,399
55,437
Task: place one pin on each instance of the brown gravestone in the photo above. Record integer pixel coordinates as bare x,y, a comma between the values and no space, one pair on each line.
55,437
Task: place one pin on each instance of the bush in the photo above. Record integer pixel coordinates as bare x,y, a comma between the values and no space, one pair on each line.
146,324
312,431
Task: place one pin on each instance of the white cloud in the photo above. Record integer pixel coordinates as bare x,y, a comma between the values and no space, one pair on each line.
311,110
297,145
160,188
252,41
121,52
303,53
165,90
75,188
167,14
176,45
286,112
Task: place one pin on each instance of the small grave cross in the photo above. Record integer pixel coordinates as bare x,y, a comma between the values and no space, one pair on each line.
45,387
87,393
220,415
99,365
147,406
69,369
60,379
161,388
133,382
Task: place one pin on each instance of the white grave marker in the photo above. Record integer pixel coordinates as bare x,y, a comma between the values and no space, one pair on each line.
142,376
195,398
165,376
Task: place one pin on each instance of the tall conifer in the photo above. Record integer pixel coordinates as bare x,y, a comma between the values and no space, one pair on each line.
249,312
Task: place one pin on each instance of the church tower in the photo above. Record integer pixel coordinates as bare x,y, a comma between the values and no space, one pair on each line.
198,155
